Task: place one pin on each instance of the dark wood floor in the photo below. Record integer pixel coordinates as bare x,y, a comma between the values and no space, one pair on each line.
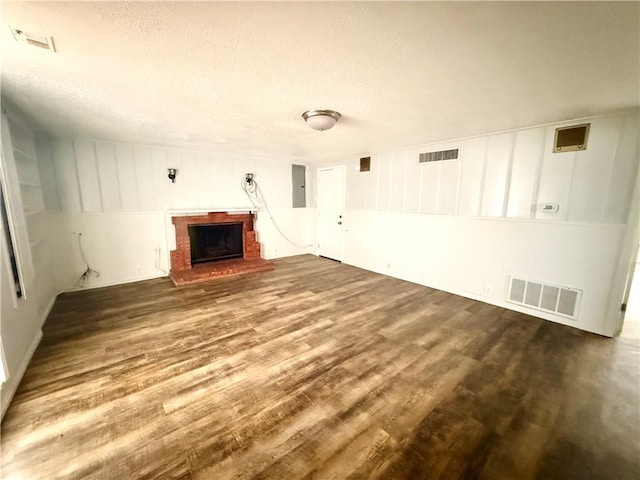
318,370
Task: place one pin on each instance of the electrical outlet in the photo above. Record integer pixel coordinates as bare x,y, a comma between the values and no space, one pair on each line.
388,265
488,289
139,269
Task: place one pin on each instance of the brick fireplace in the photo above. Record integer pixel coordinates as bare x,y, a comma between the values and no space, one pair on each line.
184,273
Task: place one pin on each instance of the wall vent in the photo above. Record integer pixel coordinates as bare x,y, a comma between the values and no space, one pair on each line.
571,139
438,156
546,297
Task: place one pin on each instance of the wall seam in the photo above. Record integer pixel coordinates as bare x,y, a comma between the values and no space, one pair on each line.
77,175
508,178
538,175
95,158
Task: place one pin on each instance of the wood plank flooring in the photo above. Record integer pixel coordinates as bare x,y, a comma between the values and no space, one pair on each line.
318,370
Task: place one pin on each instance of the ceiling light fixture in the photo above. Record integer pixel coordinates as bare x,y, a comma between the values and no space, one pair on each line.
321,119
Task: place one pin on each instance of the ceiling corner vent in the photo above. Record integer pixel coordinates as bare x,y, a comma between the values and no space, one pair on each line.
546,297
438,155
39,41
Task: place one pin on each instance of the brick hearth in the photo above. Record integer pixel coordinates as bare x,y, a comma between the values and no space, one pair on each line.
183,273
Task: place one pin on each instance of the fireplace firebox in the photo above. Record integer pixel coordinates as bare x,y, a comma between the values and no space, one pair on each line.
217,241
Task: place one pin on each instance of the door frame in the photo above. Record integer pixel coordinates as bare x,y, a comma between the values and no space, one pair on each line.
631,274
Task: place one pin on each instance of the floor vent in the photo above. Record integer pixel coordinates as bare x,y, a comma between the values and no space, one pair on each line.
546,297
438,156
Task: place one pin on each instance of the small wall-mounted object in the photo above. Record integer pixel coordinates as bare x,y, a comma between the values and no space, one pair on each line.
298,194
172,174
365,164
438,156
32,40
571,139
549,207
248,178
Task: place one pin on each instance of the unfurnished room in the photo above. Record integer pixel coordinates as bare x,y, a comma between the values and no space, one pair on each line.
320,240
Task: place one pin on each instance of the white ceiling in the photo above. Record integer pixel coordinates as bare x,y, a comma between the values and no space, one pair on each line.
237,76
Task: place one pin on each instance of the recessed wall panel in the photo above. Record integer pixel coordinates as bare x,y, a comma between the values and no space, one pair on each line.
527,155
127,178
555,180
88,176
144,176
398,180
499,149
471,176
592,172
66,175
108,174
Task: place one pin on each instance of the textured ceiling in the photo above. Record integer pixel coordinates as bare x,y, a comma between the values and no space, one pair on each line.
237,76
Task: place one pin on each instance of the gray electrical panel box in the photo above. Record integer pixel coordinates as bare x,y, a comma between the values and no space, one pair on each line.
299,196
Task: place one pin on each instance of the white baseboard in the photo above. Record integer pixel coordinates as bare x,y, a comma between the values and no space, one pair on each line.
8,389
75,288
47,310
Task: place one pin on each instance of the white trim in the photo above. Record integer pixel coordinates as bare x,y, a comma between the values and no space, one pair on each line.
118,282
8,390
3,365
13,204
620,226
197,211
47,310
429,143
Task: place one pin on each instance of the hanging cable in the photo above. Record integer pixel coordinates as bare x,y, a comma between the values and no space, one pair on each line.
253,191
157,262
84,278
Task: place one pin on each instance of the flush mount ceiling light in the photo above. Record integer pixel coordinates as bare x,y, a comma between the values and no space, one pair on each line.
321,119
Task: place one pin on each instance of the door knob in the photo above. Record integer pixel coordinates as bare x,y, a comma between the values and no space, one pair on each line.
339,223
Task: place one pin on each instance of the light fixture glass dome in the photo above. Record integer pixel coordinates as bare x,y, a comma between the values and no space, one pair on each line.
321,119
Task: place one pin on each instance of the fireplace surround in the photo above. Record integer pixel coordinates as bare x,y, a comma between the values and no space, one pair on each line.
184,272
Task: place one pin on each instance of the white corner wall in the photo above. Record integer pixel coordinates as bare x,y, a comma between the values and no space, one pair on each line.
467,225
22,318
117,196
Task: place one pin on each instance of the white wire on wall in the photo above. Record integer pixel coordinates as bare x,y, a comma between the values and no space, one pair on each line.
86,275
157,261
253,191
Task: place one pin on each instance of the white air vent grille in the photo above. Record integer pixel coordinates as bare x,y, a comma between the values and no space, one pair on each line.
542,296
32,39
438,156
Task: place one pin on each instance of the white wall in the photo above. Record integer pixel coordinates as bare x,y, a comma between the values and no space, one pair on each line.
118,195
22,318
466,225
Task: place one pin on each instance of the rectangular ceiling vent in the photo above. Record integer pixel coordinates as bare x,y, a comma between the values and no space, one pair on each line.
438,156
34,40
546,297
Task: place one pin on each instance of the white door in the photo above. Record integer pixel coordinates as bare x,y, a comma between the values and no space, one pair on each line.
331,205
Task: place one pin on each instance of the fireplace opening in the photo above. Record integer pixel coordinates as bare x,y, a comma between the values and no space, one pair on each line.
216,241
